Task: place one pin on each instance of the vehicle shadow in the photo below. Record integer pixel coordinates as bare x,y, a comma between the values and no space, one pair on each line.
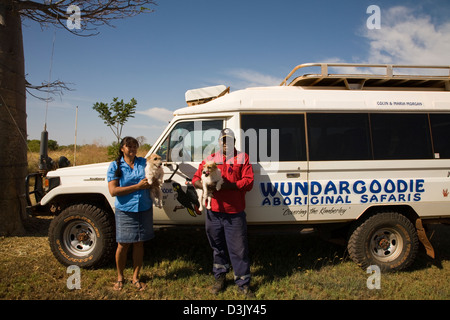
274,253
439,236
282,254
37,226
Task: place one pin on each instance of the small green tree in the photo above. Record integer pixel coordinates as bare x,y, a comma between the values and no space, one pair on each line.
116,114
113,150
35,145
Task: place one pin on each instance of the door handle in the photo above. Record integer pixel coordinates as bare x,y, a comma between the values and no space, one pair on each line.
293,175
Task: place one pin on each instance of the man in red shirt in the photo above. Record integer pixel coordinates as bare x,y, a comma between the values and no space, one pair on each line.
226,224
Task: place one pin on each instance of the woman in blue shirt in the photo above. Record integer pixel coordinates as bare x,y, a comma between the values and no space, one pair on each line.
133,208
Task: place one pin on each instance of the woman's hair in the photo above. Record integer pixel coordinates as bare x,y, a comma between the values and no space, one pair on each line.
125,142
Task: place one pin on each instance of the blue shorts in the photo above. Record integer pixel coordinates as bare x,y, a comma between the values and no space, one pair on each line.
134,226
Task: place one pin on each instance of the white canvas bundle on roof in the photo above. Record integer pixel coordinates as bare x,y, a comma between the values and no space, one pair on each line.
202,95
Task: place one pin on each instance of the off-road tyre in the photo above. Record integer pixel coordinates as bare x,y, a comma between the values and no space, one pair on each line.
386,239
83,235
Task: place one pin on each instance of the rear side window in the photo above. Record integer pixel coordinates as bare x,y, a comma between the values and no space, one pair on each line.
401,136
274,137
338,136
440,126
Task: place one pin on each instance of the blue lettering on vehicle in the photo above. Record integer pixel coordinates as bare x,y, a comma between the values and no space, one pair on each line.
341,192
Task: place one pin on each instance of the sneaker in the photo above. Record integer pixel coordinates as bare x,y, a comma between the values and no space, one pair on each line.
246,291
219,284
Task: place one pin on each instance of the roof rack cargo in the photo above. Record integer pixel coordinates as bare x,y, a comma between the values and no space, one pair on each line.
203,95
363,76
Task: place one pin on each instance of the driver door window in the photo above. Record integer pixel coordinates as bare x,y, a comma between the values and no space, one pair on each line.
191,141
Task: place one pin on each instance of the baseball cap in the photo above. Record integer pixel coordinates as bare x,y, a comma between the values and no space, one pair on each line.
227,132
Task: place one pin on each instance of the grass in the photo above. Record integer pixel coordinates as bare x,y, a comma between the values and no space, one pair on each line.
177,266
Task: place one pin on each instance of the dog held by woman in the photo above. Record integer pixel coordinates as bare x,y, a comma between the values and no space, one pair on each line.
155,174
211,175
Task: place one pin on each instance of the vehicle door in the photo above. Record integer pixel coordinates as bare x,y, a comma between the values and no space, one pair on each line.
276,145
184,147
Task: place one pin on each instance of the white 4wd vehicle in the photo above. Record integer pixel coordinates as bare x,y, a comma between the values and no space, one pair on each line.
364,154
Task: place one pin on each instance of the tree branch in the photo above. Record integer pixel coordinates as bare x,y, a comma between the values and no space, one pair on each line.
94,13
54,88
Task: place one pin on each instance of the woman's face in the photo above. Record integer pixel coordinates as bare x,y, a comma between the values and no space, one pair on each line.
130,149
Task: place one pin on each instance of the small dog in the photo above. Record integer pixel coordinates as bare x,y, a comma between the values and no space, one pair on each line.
210,175
155,174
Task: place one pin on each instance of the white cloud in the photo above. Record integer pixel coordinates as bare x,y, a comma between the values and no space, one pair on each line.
245,78
406,37
160,114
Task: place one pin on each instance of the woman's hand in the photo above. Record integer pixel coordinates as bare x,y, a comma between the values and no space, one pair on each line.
116,190
143,184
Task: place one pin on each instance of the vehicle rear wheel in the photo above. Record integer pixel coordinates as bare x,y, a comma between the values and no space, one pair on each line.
82,235
387,239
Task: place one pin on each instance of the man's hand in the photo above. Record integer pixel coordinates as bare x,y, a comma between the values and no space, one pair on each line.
198,184
229,186
225,186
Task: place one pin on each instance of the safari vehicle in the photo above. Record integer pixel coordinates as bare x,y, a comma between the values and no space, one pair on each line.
363,152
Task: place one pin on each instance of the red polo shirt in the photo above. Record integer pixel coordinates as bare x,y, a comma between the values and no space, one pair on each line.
236,169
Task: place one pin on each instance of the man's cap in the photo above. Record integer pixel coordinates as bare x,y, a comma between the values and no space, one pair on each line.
227,132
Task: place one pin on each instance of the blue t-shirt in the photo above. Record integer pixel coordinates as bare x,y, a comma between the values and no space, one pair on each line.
136,201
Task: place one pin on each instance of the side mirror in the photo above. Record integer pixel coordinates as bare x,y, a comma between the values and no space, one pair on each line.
170,164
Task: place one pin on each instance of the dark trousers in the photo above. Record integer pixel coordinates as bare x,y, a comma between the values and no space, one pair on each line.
227,233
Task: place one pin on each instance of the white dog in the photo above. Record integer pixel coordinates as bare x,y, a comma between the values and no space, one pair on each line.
155,174
211,175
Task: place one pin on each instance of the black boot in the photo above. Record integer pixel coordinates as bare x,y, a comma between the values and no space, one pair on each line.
246,291
219,284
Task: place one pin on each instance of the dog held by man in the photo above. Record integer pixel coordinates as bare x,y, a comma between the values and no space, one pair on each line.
211,179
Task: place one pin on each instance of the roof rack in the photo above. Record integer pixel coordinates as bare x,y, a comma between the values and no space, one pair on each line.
358,79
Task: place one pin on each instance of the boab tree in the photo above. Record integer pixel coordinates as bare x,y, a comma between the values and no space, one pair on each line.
78,17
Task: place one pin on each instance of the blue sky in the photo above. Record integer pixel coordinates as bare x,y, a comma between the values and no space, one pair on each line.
183,45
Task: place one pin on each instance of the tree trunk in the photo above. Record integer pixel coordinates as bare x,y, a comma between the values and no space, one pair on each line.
13,131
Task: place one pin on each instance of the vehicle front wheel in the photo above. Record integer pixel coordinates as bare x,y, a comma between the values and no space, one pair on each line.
387,239
82,235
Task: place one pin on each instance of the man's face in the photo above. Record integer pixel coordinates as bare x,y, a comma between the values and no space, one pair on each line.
226,143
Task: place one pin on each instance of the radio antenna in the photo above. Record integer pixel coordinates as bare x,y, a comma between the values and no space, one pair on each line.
49,78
